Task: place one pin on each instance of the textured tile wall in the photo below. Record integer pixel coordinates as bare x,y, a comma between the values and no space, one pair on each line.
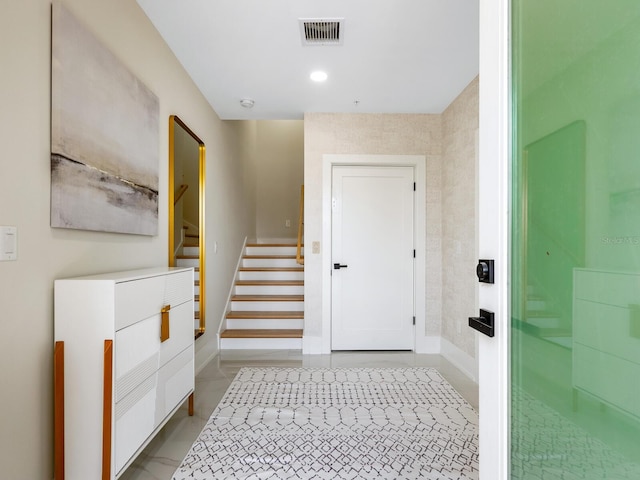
459,218
449,143
375,134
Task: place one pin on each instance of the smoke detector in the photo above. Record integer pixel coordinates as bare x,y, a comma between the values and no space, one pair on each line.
247,103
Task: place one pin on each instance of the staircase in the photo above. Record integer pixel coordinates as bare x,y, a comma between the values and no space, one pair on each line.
267,307
542,319
191,258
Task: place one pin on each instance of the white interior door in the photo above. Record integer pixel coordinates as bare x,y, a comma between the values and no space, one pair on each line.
372,258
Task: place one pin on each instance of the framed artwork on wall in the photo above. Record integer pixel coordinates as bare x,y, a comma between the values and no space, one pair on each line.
104,136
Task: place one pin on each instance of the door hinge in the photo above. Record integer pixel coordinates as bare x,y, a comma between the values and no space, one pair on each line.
414,320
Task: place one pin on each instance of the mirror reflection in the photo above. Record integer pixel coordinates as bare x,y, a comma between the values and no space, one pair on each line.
186,209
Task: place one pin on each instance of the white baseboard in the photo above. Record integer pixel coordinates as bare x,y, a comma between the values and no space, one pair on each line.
312,345
428,344
462,360
205,353
223,322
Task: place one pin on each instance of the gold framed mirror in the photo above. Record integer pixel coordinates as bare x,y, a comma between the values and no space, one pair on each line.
186,209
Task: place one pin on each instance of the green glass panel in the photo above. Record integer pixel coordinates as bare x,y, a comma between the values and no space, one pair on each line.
575,253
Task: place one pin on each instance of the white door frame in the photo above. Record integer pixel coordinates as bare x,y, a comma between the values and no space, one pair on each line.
418,162
494,225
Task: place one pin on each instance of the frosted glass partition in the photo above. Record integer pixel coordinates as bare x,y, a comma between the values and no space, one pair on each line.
575,336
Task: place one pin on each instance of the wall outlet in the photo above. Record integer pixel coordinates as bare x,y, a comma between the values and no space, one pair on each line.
287,223
315,247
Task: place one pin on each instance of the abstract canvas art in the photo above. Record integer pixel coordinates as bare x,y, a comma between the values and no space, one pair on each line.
104,136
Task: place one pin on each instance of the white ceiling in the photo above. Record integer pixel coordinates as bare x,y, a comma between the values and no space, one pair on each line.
397,56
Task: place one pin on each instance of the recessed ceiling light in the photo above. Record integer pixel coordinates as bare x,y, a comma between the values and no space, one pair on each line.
318,76
247,103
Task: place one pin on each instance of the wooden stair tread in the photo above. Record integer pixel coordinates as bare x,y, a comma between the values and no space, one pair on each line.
267,298
191,235
271,269
288,283
196,315
262,333
191,245
269,257
267,315
190,257
272,245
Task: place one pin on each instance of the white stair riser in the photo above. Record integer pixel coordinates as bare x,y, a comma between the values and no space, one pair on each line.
271,275
196,289
271,250
260,344
269,289
187,262
196,324
191,250
267,306
196,306
269,262
267,324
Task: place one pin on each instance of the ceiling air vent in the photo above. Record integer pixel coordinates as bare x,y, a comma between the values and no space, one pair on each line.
321,31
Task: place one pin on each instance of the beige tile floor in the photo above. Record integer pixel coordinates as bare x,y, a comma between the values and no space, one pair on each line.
163,455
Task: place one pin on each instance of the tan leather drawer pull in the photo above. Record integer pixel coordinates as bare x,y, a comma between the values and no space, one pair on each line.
164,324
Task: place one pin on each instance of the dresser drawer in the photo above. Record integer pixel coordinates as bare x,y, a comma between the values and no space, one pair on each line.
175,382
180,331
139,352
135,420
592,373
611,288
611,329
141,298
146,406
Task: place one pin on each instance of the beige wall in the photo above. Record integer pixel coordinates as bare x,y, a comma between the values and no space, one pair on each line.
279,171
459,218
26,285
247,140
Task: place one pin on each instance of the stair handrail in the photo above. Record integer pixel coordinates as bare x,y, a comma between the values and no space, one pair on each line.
299,257
181,189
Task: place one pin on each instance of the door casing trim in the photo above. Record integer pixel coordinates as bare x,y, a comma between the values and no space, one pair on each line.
494,234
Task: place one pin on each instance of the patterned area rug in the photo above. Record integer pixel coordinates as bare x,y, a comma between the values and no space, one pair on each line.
547,446
344,423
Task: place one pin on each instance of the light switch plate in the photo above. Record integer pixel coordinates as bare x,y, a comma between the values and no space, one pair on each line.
8,243
315,247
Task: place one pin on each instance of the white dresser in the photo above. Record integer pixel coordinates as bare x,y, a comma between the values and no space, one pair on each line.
606,337
124,363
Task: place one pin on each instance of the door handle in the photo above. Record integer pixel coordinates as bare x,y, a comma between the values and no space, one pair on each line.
484,323
337,266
